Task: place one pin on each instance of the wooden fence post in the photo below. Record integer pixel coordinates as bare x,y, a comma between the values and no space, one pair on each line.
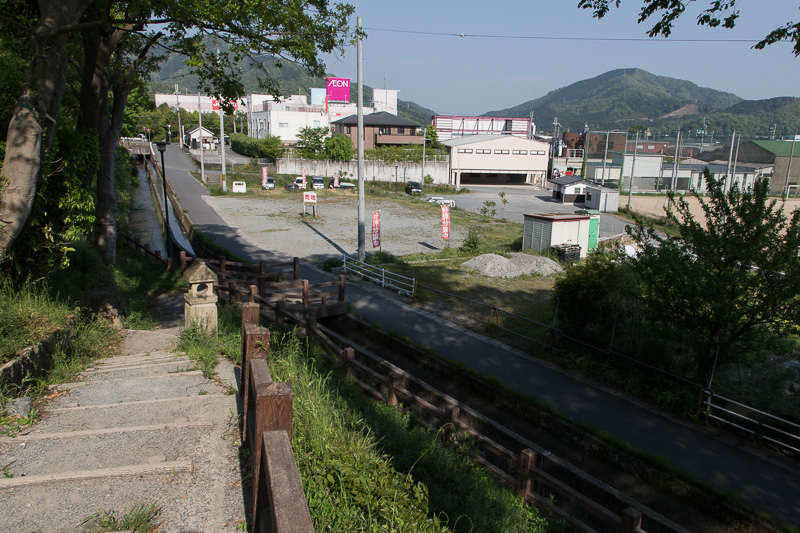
631,521
279,312
158,255
450,426
341,287
256,346
253,292
391,388
348,354
527,462
250,316
233,294
273,411
305,293
223,268
296,268
182,259
146,250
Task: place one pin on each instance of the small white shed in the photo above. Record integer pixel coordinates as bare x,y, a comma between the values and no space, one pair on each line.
601,198
542,232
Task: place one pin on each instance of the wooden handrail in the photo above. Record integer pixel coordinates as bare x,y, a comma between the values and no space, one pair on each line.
288,509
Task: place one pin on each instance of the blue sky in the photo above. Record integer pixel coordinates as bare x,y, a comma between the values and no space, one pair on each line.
475,74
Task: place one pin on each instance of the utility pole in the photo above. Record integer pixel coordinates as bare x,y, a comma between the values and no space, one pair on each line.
202,162
222,137
605,156
789,167
424,139
728,181
362,252
178,110
633,169
675,162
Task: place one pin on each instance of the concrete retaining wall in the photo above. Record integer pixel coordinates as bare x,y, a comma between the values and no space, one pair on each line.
373,170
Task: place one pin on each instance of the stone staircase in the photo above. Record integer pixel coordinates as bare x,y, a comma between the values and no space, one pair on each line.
142,427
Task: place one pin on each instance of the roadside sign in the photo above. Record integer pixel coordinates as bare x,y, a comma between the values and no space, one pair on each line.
376,229
310,198
446,222
263,177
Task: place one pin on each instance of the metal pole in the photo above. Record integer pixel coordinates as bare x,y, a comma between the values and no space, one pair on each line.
789,167
362,252
178,110
222,138
633,169
736,159
675,162
202,161
605,155
166,209
730,159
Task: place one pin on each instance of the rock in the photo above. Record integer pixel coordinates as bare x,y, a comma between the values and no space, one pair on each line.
20,407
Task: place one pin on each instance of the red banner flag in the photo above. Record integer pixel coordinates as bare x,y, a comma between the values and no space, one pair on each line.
446,222
376,229
263,177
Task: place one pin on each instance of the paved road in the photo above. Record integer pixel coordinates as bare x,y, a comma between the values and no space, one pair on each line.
765,483
525,200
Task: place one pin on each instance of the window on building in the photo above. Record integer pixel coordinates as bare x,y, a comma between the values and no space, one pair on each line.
588,196
610,145
482,151
401,131
640,147
383,130
501,151
283,124
519,152
465,150
348,130
651,147
507,126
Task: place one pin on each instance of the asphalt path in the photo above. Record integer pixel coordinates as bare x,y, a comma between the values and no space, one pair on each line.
764,482
526,200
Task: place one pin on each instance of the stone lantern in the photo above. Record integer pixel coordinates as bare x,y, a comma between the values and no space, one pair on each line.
200,301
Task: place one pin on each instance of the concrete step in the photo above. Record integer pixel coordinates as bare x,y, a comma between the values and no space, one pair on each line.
149,387
135,341
160,366
122,414
139,358
46,454
204,499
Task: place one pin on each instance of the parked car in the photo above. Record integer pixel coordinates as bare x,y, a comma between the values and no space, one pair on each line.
342,185
317,182
300,181
441,201
293,186
413,187
270,186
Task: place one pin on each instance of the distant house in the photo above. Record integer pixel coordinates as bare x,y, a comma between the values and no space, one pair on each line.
569,189
193,136
380,129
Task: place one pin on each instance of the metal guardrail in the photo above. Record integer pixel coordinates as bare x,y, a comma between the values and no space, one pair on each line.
386,279
744,419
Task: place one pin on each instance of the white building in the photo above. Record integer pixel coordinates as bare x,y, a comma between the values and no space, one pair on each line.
191,102
497,159
451,127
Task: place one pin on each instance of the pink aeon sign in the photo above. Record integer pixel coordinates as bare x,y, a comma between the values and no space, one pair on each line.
338,89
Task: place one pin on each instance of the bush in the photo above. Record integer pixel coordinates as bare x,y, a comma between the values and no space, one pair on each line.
331,263
270,146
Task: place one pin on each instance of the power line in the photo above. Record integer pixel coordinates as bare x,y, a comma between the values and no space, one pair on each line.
547,38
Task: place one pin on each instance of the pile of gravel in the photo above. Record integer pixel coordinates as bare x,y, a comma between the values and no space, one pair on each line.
497,266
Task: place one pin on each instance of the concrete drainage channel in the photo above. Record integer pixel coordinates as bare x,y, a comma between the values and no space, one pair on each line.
565,451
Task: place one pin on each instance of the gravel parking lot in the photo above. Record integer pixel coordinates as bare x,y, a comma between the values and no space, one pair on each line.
277,224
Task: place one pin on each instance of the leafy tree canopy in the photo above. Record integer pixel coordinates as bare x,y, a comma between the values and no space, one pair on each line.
729,283
724,13
310,141
339,148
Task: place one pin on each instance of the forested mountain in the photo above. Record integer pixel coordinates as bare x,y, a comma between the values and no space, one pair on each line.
623,98
292,80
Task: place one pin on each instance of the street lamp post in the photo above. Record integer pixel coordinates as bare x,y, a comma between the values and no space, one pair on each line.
169,133
161,147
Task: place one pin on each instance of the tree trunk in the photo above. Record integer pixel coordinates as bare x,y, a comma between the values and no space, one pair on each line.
31,129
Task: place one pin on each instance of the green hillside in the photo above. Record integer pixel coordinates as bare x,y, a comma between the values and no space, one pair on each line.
291,78
619,99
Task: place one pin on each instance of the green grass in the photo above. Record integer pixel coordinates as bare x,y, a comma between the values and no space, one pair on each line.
140,279
204,347
139,518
